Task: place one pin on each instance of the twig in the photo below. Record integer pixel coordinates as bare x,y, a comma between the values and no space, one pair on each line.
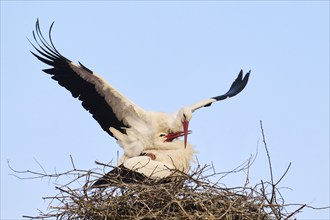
74,167
284,174
189,196
268,156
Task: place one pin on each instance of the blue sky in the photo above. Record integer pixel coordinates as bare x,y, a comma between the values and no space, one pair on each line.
164,55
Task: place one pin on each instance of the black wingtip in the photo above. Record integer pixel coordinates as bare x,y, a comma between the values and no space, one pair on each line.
247,74
240,75
237,86
246,77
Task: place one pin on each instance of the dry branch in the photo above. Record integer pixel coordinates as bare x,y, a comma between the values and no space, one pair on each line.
189,196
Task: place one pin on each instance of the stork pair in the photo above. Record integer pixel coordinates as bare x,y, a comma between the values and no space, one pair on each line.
150,139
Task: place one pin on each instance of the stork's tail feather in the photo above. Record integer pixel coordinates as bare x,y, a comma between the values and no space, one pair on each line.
121,174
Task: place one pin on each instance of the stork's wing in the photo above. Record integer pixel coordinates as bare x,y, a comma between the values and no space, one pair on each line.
108,107
237,86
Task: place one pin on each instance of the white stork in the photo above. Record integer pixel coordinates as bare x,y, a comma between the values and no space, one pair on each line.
170,157
135,129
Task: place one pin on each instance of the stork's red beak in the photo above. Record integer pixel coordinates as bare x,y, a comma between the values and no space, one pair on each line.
171,136
185,132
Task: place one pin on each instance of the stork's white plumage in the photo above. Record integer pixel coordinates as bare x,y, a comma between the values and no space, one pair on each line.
167,152
171,157
168,159
135,129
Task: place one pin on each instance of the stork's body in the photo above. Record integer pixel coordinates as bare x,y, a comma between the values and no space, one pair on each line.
135,129
172,153
171,157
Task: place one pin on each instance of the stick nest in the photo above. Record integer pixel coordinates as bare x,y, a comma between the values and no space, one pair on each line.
187,196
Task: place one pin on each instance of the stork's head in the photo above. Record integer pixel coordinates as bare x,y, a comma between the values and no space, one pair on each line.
163,141
185,115
169,141
180,126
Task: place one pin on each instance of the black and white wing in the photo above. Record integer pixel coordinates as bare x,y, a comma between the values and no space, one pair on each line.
237,86
107,105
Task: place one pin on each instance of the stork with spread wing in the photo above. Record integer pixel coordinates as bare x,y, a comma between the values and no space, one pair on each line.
137,131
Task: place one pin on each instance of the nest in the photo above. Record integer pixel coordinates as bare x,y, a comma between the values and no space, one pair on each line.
185,196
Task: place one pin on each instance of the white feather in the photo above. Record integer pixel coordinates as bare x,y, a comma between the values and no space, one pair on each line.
150,168
172,153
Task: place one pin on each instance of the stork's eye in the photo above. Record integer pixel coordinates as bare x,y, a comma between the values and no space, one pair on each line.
184,116
162,135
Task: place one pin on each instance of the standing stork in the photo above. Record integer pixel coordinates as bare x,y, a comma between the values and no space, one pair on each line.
133,127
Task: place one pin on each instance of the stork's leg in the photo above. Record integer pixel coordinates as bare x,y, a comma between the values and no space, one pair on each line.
152,156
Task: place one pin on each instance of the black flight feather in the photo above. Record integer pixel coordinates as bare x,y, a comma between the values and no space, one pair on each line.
61,72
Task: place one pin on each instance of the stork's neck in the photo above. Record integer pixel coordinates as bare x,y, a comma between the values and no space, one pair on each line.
175,124
183,115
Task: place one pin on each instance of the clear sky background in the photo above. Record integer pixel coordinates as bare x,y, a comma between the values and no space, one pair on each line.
164,55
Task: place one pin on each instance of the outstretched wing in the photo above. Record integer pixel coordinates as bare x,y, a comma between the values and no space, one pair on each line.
237,86
107,106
